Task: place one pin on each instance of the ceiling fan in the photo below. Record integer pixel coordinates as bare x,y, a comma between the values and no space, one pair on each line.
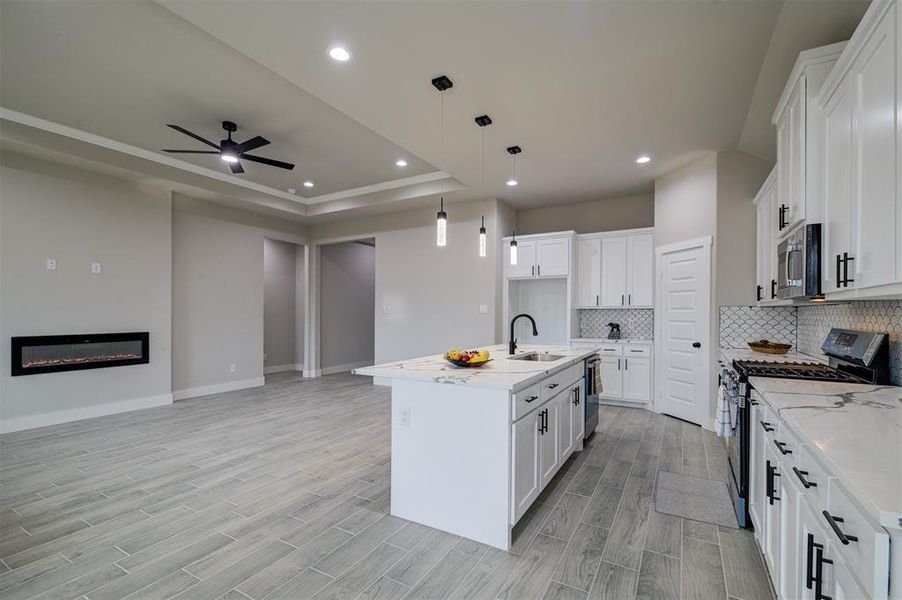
230,151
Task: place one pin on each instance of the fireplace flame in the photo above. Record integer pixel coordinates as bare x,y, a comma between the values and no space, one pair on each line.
76,360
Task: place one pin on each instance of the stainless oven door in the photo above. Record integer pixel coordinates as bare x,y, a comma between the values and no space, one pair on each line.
791,265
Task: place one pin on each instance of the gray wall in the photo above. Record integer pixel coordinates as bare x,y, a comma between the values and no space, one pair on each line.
76,217
685,202
348,292
279,288
300,304
611,214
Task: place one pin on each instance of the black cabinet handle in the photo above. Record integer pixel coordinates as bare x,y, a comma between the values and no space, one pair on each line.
838,270
766,426
753,402
819,573
781,446
629,299
845,269
531,399
809,560
771,484
551,386
618,364
834,522
626,364
773,289
783,210
596,299
539,270
541,417
801,475
758,290
621,299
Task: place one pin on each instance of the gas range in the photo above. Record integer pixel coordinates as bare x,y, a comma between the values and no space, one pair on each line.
795,370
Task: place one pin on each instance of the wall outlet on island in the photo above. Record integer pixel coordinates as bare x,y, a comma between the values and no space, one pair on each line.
405,416
233,367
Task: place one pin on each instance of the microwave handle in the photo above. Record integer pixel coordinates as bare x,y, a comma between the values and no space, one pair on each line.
786,256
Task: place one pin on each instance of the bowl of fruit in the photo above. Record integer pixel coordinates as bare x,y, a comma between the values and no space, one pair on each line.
768,347
467,358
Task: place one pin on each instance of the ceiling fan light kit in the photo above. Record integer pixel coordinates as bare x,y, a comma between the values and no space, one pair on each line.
231,151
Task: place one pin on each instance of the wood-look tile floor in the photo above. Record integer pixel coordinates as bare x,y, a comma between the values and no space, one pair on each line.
282,492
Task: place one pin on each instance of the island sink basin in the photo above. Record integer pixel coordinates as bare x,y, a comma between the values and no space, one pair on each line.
536,357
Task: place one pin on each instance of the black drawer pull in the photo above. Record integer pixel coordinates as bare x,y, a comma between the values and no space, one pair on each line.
781,446
834,522
801,475
766,426
819,574
551,386
531,399
809,561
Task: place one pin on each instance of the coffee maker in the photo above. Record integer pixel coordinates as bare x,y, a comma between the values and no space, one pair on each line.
614,334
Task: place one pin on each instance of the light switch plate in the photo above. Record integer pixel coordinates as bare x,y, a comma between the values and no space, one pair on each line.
233,367
95,267
388,308
405,416
483,309
51,264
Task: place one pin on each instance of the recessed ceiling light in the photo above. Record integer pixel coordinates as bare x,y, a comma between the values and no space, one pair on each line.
512,182
308,184
643,159
401,162
340,53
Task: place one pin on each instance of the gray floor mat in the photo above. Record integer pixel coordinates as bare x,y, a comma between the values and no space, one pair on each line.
694,498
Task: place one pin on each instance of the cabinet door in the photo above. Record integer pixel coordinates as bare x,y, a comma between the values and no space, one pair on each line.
758,472
811,541
588,272
611,377
874,159
526,261
578,415
773,542
552,258
525,455
566,408
637,379
791,160
640,270
613,272
762,240
790,494
549,443
837,187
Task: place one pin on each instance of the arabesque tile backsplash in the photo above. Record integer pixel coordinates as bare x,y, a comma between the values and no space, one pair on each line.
635,323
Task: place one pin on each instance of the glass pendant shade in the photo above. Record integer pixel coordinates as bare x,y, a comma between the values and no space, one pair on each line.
513,252
482,247
441,226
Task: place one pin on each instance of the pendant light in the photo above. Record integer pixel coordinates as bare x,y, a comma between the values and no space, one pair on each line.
514,151
442,83
483,122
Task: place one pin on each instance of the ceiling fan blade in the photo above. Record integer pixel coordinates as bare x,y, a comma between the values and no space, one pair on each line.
268,161
252,144
236,167
194,135
191,151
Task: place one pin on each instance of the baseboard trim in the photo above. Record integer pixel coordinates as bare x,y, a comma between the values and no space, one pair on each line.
345,368
217,388
282,368
80,414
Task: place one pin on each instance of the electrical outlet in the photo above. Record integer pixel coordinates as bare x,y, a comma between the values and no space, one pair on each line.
233,367
405,416
264,356
483,309
95,267
51,264
388,309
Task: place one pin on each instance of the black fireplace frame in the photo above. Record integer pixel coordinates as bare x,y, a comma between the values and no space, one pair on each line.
20,342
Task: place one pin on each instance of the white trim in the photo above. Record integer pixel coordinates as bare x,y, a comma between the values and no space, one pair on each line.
345,368
79,414
217,388
282,368
383,381
615,233
541,236
378,187
700,242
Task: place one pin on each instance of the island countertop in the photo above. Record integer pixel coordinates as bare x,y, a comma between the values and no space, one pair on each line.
857,429
500,373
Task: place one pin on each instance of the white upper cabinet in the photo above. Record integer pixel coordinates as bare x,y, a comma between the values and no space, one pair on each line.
588,272
797,119
766,247
862,176
640,253
553,257
613,272
526,260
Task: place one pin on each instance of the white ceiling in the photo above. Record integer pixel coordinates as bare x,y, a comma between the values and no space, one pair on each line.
583,87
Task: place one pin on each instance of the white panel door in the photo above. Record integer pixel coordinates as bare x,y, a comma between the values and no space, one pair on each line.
611,377
549,442
684,309
566,409
553,258
637,378
613,272
525,455
640,270
837,187
588,272
875,159
526,261
790,494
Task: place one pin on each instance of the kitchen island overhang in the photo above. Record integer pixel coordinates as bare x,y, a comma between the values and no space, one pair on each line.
471,449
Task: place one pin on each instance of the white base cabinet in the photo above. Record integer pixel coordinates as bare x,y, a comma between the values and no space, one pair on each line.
626,371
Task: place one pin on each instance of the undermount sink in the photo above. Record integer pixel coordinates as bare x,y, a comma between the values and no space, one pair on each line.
536,357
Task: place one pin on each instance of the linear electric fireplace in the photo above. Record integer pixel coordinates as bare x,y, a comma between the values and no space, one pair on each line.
32,355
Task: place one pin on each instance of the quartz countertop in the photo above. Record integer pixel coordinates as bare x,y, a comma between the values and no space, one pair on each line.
589,340
728,355
857,429
501,372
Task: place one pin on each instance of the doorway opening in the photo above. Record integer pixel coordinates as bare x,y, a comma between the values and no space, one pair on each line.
283,306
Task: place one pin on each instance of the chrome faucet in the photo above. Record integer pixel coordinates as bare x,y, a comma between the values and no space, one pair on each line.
513,342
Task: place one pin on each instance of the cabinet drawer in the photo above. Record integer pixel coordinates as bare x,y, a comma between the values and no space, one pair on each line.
810,472
788,445
864,547
525,401
768,421
610,349
552,385
632,350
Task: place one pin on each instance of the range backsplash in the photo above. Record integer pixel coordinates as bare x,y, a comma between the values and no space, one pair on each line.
806,326
636,323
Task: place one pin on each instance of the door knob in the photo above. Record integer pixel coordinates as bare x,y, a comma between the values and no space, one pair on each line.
696,344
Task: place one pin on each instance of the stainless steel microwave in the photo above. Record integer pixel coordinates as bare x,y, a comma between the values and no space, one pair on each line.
799,263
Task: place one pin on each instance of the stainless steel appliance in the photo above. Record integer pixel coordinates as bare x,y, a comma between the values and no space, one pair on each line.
592,366
799,263
854,357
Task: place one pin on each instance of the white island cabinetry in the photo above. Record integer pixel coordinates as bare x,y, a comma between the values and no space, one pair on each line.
471,449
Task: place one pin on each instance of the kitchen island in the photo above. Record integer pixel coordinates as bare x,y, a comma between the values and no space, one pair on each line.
471,449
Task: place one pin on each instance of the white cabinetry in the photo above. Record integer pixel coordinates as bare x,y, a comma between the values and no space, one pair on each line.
766,245
611,377
636,378
538,257
640,254
588,275
525,451
526,260
613,272
626,371
616,269
861,157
